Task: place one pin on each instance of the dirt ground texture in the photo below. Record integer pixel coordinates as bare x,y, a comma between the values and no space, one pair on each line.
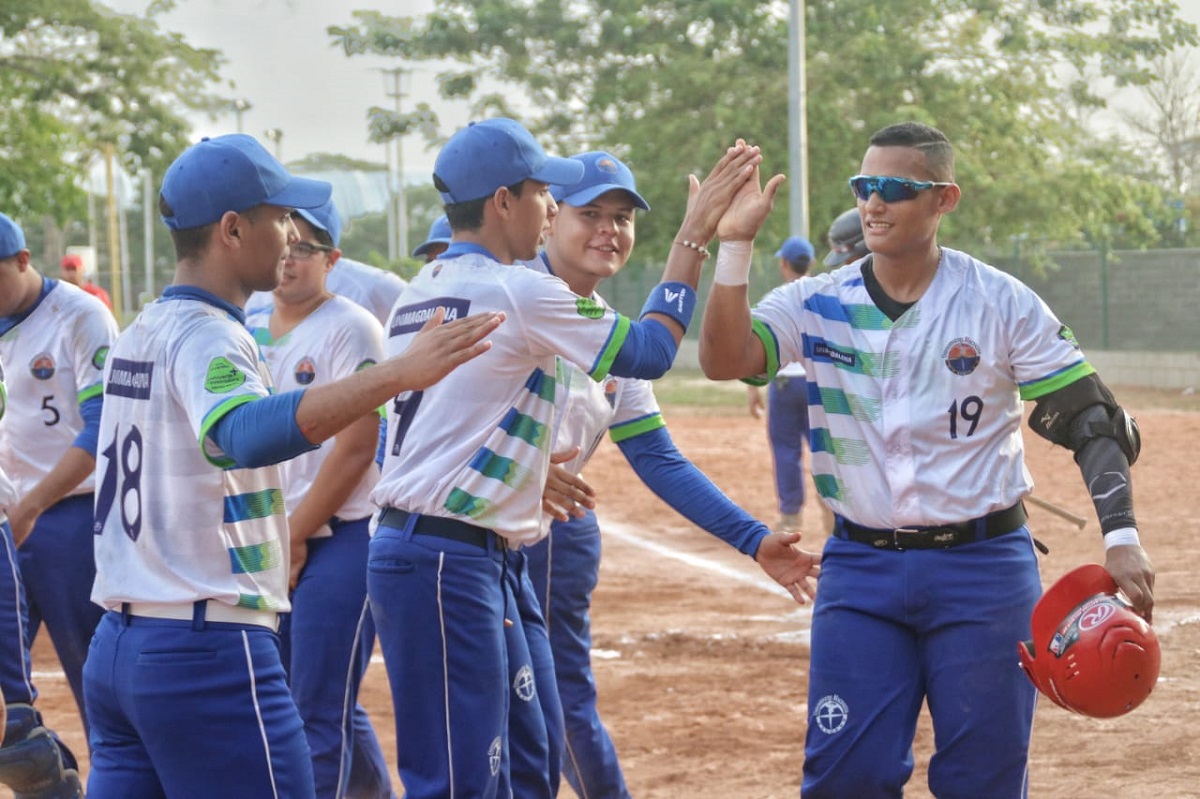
702,662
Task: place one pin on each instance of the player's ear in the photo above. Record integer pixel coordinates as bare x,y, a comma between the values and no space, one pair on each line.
950,195
229,227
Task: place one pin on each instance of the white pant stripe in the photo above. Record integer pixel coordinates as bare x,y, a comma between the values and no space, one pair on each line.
262,728
445,672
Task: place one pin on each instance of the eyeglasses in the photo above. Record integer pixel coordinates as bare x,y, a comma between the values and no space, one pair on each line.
890,190
303,250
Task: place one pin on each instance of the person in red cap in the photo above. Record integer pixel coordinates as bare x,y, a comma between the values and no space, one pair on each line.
73,271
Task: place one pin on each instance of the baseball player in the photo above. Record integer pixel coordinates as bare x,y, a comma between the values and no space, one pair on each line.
34,762
465,463
184,684
73,270
846,242
918,357
367,286
311,337
590,239
787,405
435,242
55,338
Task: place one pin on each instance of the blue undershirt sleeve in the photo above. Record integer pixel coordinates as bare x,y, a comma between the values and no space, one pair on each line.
262,432
677,481
647,352
89,436
381,447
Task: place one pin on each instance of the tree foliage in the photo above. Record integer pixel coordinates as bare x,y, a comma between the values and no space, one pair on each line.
74,76
665,84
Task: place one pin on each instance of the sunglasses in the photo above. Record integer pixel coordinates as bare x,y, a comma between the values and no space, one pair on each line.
890,190
303,250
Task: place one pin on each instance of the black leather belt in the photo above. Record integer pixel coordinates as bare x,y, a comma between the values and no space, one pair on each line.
937,537
443,527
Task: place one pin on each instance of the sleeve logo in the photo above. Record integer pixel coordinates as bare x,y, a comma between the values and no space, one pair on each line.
588,308
1066,334
222,376
99,357
675,297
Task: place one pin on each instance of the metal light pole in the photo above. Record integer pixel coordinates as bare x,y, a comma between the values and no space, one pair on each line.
399,196
275,136
241,106
797,123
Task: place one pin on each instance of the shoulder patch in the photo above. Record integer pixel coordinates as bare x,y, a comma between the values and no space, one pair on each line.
99,357
368,362
222,376
1066,334
588,308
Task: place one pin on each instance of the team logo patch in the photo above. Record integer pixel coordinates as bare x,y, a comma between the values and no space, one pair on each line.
1068,335
222,376
588,308
367,363
961,356
437,269
607,165
99,357
42,366
494,756
831,714
305,371
610,391
523,684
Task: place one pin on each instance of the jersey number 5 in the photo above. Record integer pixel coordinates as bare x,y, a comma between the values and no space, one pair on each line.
122,475
970,410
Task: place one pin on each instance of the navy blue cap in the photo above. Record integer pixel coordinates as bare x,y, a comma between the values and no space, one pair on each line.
232,173
12,238
485,156
795,248
439,233
324,217
601,173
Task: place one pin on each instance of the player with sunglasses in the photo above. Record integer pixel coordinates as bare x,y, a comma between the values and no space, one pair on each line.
919,358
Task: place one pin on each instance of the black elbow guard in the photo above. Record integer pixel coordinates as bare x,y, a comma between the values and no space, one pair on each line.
1059,417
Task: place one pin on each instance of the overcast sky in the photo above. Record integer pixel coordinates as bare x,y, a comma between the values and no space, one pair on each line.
279,59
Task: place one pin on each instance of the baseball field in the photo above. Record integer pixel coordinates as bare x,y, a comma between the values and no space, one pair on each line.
702,662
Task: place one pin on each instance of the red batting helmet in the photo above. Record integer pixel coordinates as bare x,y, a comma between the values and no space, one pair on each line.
1090,653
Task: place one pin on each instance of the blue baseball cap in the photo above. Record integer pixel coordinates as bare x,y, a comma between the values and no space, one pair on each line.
795,248
232,173
324,217
12,238
484,156
602,173
439,233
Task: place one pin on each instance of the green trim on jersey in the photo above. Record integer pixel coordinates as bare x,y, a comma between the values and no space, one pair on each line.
850,451
635,427
464,504
1040,388
770,347
829,486
526,428
605,361
255,602
3,400
214,416
253,505
95,390
256,557
498,467
837,401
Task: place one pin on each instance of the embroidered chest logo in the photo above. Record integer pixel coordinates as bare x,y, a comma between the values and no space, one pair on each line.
42,366
306,371
961,356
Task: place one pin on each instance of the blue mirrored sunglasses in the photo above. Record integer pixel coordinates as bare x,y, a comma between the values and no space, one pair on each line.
890,190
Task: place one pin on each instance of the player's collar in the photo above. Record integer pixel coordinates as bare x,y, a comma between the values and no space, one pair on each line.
196,293
460,248
7,323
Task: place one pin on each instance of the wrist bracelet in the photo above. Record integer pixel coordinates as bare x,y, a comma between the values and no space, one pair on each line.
1122,536
691,245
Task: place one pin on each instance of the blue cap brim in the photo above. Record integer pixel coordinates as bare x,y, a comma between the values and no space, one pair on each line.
302,193
425,245
559,171
592,192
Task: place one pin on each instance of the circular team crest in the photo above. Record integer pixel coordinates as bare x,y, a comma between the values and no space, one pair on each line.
523,684
306,371
831,714
961,356
494,756
607,165
610,391
42,366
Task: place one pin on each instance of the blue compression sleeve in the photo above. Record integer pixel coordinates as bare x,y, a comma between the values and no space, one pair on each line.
89,436
262,432
648,351
677,481
381,447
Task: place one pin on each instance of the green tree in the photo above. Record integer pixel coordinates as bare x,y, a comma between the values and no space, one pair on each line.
75,76
665,84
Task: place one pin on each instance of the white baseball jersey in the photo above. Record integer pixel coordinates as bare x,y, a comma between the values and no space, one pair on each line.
55,358
919,419
8,493
335,340
176,520
476,446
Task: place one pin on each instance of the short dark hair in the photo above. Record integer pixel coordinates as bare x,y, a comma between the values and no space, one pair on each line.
190,243
469,215
800,265
939,153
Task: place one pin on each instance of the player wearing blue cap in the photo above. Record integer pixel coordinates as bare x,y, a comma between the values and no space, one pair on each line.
184,684
591,238
310,337
921,356
32,758
465,463
55,338
436,242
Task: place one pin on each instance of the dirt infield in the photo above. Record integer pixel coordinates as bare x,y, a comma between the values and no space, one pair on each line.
702,662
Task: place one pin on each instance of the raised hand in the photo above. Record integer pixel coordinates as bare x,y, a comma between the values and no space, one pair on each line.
795,569
749,209
708,201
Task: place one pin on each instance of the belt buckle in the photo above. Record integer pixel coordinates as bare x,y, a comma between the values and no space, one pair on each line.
899,531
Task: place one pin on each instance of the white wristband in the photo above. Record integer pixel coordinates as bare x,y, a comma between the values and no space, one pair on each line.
733,263
1122,536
